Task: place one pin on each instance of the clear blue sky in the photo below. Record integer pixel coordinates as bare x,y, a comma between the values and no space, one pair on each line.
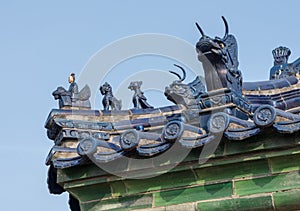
42,42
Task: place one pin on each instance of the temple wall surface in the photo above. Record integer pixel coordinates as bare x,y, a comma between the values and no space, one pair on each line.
260,173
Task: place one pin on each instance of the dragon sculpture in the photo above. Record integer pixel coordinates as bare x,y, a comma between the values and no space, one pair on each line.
219,57
185,94
228,107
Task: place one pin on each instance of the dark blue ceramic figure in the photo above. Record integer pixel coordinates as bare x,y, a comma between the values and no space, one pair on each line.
72,97
185,94
109,100
139,100
73,88
219,58
282,68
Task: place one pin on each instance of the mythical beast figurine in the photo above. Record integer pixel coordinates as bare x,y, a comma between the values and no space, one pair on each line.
109,100
139,100
219,57
72,97
282,68
185,94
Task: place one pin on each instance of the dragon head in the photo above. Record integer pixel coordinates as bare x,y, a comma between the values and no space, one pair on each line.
211,48
219,59
180,93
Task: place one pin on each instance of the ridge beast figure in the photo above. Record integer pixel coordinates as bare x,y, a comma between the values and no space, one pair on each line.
229,107
72,97
219,57
139,100
185,94
260,102
109,100
282,68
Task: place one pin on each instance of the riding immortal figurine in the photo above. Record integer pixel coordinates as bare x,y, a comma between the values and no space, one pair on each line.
71,97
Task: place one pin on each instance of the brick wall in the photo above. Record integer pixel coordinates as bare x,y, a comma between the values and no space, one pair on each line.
260,173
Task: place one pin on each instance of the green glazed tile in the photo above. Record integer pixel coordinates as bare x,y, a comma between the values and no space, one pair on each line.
285,163
123,203
169,180
84,182
91,192
192,194
263,203
151,209
118,188
267,184
234,170
79,172
288,200
181,207
262,142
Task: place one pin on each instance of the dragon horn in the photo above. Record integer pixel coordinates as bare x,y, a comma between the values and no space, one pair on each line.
200,30
226,28
184,73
